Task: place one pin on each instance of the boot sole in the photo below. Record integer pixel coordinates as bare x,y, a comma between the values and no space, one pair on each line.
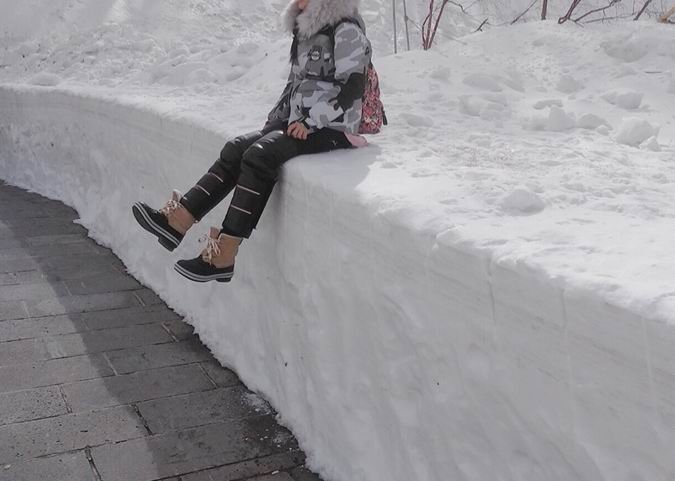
197,278
167,240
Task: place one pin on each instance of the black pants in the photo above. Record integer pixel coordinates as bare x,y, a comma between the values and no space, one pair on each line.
250,165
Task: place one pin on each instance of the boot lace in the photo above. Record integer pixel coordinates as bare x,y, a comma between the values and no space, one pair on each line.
212,248
171,206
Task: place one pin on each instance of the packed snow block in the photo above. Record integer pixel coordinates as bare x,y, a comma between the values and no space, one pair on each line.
557,120
569,85
393,351
592,121
628,99
633,131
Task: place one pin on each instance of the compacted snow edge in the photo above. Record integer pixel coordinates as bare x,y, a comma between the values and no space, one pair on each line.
393,353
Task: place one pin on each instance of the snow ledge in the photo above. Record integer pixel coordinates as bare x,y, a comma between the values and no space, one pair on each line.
394,354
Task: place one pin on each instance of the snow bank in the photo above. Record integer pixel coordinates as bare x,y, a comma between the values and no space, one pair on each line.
394,350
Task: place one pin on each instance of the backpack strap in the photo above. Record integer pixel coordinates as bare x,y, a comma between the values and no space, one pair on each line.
329,30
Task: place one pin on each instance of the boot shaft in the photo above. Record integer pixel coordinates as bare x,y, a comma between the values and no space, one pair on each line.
176,214
221,249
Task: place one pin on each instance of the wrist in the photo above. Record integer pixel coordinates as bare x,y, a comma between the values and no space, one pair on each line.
307,122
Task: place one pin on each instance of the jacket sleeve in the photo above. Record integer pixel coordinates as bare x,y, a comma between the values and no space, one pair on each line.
351,57
282,109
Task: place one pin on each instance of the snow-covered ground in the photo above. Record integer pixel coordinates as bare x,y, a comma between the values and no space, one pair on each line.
484,293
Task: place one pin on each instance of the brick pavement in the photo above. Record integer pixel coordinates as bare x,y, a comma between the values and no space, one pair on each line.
101,381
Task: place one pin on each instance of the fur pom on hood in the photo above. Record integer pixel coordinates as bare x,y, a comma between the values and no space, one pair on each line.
317,15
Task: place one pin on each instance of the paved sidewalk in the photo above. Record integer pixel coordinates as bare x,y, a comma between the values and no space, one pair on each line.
100,381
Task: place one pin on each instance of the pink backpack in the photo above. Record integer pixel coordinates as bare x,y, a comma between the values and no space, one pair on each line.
372,113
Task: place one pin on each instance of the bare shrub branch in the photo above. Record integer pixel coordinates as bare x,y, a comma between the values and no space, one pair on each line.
429,27
642,10
461,7
438,20
524,13
597,10
606,19
426,26
544,9
568,15
480,27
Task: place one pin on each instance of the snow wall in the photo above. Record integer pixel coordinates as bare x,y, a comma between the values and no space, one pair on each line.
394,354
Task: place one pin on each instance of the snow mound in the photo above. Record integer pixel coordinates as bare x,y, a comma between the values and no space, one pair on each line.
627,50
592,122
442,74
569,85
629,100
633,46
415,120
483,81
633,131
652,144
485,107
557,120
523,201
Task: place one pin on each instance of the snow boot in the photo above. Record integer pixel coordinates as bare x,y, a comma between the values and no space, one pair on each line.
215,263
169,224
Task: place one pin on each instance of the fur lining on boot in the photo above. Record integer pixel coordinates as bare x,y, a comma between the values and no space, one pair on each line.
317,15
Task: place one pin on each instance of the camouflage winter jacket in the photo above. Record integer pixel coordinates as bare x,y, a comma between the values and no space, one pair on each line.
329,59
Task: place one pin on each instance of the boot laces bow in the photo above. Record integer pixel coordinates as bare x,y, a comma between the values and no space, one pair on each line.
212,248
171,206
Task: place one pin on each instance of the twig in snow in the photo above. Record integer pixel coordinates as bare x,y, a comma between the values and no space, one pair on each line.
544,9
524,13
480,27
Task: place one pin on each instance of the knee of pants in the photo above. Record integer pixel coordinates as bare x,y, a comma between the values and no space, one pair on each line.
232,151
229,160
261,163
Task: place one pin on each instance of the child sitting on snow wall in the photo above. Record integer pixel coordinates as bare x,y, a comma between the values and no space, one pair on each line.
319,110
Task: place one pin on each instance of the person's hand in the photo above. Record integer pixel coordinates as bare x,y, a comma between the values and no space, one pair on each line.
297,130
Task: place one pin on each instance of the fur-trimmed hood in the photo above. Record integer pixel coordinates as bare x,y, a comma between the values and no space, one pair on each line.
317,15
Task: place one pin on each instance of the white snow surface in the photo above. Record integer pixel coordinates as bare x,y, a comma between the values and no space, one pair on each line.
484,293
